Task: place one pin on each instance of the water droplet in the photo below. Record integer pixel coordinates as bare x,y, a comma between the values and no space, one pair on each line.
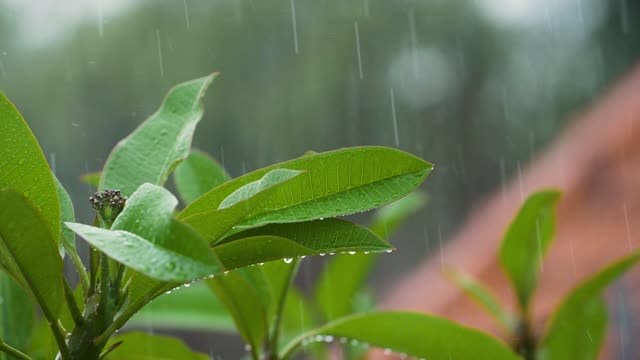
352,252
389,251
247,348
288,260
332,253
322,254
387,351
187,285
366,253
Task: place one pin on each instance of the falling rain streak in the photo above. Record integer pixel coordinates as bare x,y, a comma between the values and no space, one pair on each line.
186,14
100,19
355,25
160,53
295,26
395,120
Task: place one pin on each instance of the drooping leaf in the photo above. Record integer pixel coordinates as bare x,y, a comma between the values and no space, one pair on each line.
141,346
578,327
526,241
146,238
197,174
243,302
483,297
335,183
28,252
187,308
24,168
334,292
413,334
240,203
92,178
16,315
153,150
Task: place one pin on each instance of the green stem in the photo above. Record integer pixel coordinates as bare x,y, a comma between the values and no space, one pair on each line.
76,314
293,345
58,334
82,272
273,348
6,348
104,279
129,311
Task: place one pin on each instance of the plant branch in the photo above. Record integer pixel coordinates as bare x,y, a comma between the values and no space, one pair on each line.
6,348
293,270
76,314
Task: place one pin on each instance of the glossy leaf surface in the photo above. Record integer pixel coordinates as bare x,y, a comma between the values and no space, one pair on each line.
153,150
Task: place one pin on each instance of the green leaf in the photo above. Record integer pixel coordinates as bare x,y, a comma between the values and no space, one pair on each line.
218,222
243,302
413,334
297,316
483,297
198,174
146,238
334,292
28,252
240,203
153,150
321,236
259,249
187,308
24,168
141,346
92,178
578,327
42,345
526,242
16,315
335,183
67,214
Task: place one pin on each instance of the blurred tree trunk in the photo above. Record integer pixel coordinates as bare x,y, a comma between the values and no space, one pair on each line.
596,163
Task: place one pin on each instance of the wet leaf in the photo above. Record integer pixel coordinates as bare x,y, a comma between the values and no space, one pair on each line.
67,214
197,174
153,150
24,167
413,334
334,291
146,238
28,252
578,327
240,203
526,241
335,183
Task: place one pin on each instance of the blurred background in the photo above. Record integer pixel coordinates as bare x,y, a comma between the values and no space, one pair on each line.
475,86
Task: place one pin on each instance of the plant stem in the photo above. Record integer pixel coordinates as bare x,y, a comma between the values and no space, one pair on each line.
273,348
104,279
71,303
82,272
58,334
6,348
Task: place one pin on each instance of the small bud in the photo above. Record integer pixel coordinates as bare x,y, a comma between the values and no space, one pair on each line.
108,204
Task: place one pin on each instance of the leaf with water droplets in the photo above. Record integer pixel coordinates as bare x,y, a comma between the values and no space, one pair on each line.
28,253
146,238
335,183
413,334
153,150
334,292
24,168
